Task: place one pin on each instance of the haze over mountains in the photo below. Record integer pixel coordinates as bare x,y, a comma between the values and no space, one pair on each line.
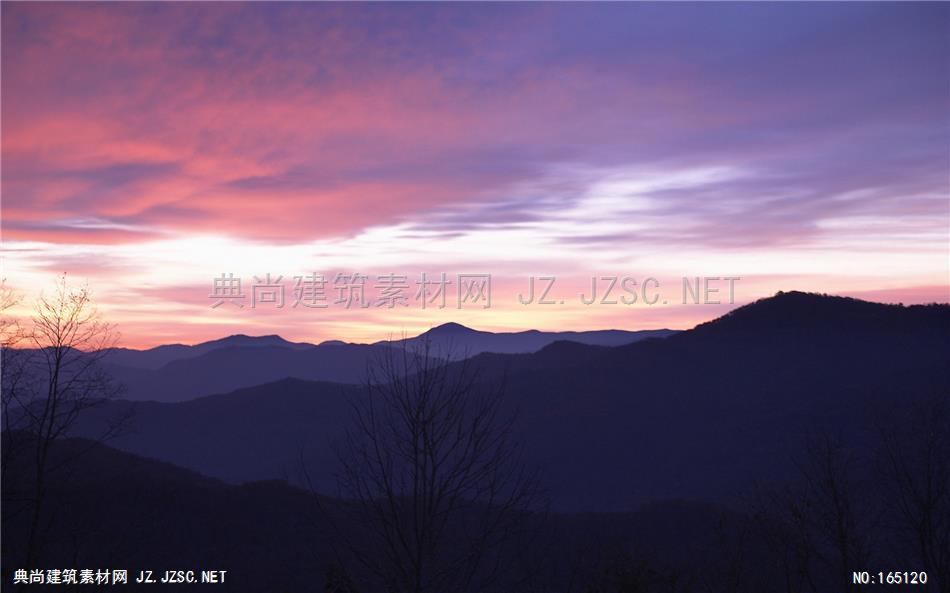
177,372
696,415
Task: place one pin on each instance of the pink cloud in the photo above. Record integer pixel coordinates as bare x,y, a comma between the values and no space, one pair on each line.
287,124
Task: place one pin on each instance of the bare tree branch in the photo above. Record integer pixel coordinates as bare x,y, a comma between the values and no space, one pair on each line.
433,472
50,382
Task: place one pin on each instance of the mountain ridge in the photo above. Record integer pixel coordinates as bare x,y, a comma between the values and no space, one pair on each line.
177,372
698,412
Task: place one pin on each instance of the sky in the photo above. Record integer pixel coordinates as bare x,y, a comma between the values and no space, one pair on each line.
148,149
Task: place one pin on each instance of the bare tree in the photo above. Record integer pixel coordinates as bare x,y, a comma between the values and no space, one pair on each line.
10,335
53,379
782,519
11,367
916,460
727,571
839,513
819,526
433,475
10,332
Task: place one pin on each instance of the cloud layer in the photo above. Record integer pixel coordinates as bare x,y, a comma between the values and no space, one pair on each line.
801,140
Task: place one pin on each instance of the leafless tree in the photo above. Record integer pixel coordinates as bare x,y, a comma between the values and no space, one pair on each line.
916,460
434,477
54,377
11,334
726,573
782,519
840,515
819,525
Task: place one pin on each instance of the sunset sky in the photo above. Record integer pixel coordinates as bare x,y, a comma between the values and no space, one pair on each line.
149,148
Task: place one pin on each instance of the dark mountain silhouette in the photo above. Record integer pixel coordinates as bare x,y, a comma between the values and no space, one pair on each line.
698,415
730,401
114,509
125,511
177,372
252,433
797,311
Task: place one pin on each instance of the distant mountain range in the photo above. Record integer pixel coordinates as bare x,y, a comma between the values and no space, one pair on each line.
698,415
155,358
177,372
458,341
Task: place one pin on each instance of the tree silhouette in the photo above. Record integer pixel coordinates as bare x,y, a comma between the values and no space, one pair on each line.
436,482
916,460
48,383
11,367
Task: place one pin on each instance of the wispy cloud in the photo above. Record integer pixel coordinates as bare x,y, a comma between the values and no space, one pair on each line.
181,140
